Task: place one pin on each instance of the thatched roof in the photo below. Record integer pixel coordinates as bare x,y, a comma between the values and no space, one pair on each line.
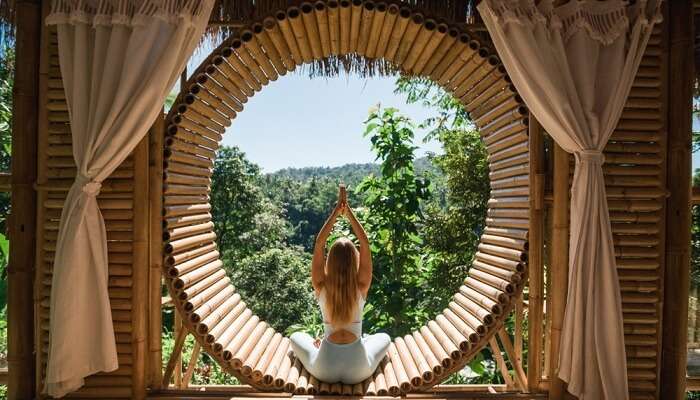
238,12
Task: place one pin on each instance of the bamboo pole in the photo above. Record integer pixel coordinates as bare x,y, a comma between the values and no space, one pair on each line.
139,312
22,224
392,12
355,20
175,357
559,264
496,350
312,29
368,15
676,274
333,13
43,135
297,27
191,364
375,31
345,18
535,263
520,375
321,10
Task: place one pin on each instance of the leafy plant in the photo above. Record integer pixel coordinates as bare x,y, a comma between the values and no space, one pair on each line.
392,216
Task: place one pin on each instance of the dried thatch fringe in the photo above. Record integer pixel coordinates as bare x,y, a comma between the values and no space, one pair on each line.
245,10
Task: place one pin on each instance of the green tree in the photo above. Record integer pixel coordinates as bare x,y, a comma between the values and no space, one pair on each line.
245,220
392,215
276,285
455,216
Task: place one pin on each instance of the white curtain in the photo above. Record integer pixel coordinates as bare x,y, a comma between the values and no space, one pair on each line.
574,66
119,59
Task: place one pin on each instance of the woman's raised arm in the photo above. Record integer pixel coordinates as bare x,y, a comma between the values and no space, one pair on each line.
318,262
364,275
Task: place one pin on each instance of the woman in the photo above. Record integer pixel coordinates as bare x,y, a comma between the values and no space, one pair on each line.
341,283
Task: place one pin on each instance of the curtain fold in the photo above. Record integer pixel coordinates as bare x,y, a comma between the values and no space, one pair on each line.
574,66
118,59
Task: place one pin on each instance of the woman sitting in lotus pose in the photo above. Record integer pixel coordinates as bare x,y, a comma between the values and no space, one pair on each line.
341,282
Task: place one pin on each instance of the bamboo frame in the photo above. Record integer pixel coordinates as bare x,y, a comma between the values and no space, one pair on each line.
559,264
22,226
676,274
535,263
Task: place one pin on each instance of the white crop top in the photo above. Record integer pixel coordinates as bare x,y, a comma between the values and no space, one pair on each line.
354,327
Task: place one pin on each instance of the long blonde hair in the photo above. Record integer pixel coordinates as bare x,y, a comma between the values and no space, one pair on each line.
340,282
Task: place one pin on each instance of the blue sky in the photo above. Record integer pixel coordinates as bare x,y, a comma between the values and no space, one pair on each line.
296,121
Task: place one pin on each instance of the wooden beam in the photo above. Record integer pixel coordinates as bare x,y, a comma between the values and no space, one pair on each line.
501,363
155,202
175,360
191,364
559,265
140,270
535,259
518,371
678,215
22,223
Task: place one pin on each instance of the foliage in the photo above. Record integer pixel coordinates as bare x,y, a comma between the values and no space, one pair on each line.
245,219
455,215
306,204
392,216
207,371
695,237
275,284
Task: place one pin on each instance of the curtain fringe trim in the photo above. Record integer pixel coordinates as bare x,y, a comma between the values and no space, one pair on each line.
603,21
124,12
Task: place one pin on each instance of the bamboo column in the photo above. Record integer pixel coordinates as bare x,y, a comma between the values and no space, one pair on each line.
140,270
558,265
155,202
42,179
22,224
535,262
678,217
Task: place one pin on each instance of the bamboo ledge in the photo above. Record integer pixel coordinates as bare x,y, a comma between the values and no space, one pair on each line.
438,392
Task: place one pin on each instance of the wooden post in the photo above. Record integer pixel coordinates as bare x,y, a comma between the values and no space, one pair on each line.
535,259
155,202
194,358
42,195
22,223
559,265
678,215
140,269
175,362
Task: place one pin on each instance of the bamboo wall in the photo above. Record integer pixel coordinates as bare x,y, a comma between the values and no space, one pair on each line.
118,199
635,176
635,171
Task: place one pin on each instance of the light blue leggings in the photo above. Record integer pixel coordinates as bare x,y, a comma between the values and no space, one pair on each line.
347,363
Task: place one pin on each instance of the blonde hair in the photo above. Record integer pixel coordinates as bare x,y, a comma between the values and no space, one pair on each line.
340,282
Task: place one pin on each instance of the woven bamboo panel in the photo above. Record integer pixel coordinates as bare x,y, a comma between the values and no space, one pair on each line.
635,175
56,173
260,53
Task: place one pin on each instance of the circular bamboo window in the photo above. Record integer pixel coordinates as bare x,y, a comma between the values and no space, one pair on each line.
249,348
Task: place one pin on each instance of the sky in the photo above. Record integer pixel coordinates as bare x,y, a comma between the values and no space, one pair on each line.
297,121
